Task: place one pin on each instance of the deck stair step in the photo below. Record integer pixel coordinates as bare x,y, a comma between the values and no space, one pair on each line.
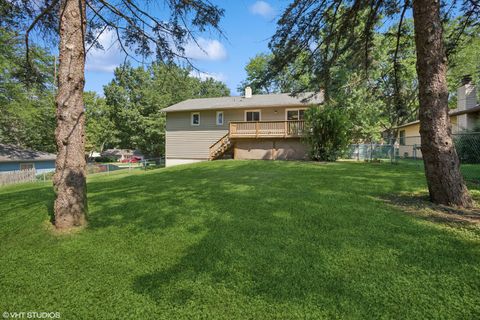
219,148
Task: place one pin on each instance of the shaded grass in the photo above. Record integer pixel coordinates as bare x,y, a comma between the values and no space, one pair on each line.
240,239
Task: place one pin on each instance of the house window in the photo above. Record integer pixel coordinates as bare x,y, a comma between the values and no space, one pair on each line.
401,137
219,118
195,118
27,166
253,115
295,114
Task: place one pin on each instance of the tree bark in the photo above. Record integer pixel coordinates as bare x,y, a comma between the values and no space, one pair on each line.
70,178
442,166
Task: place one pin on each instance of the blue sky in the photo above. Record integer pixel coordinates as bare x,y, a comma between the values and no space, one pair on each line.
247,24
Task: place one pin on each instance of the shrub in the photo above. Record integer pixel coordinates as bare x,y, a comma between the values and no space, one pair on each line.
327,131
468,147
105,159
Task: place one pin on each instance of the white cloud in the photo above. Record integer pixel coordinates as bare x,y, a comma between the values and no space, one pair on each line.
108,59
205,75
262,8
207,49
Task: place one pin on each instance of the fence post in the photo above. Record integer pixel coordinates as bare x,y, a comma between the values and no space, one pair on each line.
108,168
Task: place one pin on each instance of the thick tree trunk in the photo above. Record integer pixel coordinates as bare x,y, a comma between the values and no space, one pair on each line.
69,179
442,167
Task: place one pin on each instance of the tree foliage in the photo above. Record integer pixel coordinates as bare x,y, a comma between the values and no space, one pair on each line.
136,97
26,101
283,82
377,99
100,129
327,131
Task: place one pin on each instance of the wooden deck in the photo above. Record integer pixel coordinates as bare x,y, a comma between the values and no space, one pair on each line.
266,129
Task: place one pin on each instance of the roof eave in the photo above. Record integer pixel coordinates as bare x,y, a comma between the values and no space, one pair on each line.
306,105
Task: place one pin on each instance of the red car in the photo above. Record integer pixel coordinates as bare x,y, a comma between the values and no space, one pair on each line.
133,159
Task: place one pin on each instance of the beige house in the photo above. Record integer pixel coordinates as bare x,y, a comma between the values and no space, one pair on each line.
464,117
246,127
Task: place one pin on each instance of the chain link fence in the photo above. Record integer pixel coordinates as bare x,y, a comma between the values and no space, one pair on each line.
371,152
407,151
31,175
144,164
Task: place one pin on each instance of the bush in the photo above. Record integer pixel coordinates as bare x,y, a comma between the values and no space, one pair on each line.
327,131
105,159
468,147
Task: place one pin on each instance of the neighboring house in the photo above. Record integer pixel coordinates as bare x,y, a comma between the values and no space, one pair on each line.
13,158
93,154
121,154
266,126
464,117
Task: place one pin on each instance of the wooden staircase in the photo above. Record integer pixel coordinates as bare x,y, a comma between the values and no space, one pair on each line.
219,148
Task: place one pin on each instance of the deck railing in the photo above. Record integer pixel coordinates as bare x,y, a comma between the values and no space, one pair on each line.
265,129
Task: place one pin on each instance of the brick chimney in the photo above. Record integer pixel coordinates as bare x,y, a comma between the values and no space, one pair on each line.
248,92
466,94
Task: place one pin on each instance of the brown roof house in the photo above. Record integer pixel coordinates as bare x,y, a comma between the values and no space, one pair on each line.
266,126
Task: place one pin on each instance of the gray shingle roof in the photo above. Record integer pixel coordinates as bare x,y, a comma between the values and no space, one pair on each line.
260,100
11,153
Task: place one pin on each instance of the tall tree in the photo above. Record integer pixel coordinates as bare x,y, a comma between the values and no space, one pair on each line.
69,179
442,166
78,24
332,29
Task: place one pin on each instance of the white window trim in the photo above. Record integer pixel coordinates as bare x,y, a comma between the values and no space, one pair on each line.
27,163
293,109
191,119
257,110
216,118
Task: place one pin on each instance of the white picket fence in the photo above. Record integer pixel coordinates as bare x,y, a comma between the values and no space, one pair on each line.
12,177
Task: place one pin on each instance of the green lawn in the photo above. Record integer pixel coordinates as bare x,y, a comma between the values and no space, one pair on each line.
240,240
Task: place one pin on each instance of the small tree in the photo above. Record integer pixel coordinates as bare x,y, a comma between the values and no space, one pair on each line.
327,132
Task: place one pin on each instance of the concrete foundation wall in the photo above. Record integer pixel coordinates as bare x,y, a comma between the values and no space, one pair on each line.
169,162
270,149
